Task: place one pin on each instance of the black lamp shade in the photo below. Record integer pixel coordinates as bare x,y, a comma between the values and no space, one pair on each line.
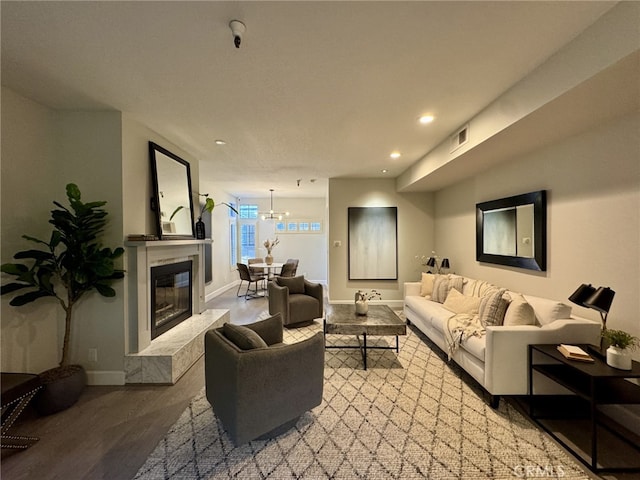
582,294
601,300
431,262
445,263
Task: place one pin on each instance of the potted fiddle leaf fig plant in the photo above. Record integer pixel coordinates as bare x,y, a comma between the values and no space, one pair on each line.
621,344
66,267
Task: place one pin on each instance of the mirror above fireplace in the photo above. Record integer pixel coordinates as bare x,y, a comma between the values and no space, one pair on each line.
172,200
513,231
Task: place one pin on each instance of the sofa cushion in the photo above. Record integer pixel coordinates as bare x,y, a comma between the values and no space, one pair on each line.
243,337
479,288
427,310
294,284
476,346
492,308
459,303
519,311
442,284
426,286
547,310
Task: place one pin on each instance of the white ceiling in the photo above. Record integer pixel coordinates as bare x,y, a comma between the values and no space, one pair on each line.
317,89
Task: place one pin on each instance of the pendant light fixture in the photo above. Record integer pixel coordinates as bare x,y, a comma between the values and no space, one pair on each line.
271,215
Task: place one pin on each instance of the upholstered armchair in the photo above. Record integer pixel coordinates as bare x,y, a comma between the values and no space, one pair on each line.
257,385
296,299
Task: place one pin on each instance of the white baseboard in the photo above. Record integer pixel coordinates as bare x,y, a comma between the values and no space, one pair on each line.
97,377
211,295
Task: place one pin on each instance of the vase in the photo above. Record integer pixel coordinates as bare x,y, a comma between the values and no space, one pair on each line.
362,307
61,388
619,358
200,233
268,259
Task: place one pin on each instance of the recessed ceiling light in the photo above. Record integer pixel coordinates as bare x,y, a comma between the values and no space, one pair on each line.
395,155
384,170
220,142
424,119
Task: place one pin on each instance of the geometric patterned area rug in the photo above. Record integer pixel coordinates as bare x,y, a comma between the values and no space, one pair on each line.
411,415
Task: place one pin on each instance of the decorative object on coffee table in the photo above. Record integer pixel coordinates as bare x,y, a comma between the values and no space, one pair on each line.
621,344
74,258
362,300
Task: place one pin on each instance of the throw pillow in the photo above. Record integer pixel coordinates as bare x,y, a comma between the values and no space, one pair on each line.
442,285
459,303
519,312
294,284
547,310
426,287
243,337
480,288
492,308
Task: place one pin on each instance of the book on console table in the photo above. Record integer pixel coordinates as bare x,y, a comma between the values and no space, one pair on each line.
573,352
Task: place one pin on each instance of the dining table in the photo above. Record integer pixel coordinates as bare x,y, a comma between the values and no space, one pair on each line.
271,268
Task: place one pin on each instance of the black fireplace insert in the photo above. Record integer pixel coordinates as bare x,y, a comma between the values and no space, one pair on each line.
171,296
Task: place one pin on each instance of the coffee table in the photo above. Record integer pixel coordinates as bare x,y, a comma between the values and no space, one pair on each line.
379,321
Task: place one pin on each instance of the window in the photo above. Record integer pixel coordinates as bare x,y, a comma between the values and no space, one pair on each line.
303,226
247,241
281,227
248,211
316,226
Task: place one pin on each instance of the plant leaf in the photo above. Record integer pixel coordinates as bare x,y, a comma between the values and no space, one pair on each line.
13,268
12,287
175,211
105,290
28,298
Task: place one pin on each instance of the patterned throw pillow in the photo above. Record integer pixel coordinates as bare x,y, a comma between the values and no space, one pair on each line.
492,308
426,286
480,288
442,285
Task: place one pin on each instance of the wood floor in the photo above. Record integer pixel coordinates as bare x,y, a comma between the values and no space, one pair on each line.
112,430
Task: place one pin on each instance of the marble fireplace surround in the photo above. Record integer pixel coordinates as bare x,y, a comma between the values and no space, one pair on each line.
166,358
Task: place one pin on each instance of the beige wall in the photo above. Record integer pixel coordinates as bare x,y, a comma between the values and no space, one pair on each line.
415,234
42,151
593,186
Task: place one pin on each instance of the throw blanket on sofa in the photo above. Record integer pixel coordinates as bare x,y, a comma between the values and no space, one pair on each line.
459,328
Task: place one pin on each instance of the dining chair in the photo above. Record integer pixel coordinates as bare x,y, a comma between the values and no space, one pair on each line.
289,268
246,276
257,272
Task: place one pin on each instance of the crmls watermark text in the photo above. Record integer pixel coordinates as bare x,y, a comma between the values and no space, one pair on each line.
538,471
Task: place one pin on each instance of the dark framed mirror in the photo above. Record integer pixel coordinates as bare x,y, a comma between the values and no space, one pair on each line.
513,231
172,200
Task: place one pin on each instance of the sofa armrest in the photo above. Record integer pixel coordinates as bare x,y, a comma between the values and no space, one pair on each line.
278,301
412,288
506,360
315,290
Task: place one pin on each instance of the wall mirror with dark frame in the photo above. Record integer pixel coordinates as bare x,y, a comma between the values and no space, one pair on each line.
172,200
513,231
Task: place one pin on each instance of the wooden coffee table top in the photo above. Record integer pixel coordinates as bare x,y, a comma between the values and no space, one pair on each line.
380,320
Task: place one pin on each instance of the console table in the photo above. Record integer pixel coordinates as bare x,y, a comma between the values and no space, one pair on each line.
596,383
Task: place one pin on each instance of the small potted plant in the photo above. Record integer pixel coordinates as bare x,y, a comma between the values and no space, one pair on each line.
362,300
208,206
621,345
74,259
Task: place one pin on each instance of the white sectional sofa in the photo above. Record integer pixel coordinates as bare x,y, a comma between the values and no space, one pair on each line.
497,359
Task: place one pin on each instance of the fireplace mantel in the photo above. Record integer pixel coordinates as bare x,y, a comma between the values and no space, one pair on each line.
141,257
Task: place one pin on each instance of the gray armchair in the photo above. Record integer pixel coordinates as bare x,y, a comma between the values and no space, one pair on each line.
296,299
257,385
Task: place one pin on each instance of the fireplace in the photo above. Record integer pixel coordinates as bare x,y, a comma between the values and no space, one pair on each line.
171,296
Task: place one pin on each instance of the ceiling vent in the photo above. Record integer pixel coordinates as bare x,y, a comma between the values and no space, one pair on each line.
459,138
